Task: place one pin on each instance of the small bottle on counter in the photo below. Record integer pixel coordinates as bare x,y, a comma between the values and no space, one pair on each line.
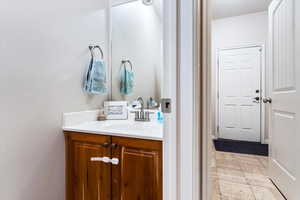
102,116
160,116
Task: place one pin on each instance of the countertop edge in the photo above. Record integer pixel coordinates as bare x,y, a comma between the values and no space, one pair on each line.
112,134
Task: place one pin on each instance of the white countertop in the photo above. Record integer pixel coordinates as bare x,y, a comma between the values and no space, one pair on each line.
124,128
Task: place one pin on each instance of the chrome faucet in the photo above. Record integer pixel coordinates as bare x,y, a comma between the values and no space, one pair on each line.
141,100
141,115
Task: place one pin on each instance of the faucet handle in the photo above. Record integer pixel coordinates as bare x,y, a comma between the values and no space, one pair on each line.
147,115
136,113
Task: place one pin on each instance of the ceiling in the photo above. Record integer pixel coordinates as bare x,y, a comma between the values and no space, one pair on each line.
230,8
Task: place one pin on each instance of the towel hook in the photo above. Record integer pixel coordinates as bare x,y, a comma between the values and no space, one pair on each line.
126,61
96,47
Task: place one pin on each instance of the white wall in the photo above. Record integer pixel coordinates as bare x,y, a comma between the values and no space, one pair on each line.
43,55
137,36
235,31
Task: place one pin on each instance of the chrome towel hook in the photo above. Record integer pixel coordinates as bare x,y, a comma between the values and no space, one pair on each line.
96,47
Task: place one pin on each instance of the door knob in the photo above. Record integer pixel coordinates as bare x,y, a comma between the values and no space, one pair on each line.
267,100
114,161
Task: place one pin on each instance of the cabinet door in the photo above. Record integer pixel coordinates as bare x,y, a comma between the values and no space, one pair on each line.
138,176
88,180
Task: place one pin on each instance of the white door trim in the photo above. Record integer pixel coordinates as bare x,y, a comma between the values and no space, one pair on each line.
203,55
189,96
263,88
170,87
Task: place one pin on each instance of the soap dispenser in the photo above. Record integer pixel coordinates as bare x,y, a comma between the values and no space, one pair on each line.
160,117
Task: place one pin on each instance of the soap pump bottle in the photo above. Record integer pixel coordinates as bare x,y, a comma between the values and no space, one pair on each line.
160,117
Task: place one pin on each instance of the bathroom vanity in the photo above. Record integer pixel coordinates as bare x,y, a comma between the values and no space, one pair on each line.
113,160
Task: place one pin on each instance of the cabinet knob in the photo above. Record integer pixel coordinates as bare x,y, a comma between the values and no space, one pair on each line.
114,161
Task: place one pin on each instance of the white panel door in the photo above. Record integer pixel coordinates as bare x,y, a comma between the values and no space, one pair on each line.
239,85
284,17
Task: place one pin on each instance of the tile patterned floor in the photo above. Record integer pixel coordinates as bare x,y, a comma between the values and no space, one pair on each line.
241,177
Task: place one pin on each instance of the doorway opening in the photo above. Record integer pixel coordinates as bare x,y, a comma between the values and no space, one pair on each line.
239,127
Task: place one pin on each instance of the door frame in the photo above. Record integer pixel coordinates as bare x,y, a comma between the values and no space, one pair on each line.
263,88
189,95
171,174
202,54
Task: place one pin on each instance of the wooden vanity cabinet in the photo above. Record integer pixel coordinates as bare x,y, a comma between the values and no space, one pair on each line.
137,176
86,179
139,173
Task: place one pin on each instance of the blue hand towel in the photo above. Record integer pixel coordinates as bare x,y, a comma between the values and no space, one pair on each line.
95,82
126,81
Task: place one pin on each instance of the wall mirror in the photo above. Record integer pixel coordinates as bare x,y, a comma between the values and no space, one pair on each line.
137,49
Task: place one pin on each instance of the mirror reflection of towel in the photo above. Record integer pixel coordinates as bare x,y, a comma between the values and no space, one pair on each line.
126,81
96,82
